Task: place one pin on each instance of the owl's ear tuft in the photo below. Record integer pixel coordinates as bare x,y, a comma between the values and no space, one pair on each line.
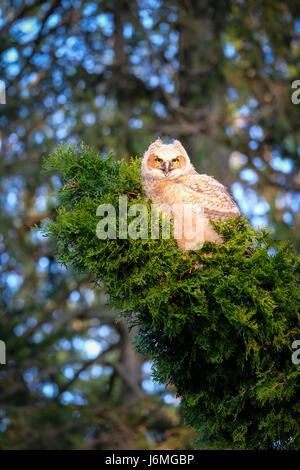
178,144
156,144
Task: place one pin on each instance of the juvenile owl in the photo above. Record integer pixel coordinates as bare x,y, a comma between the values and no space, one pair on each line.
171,182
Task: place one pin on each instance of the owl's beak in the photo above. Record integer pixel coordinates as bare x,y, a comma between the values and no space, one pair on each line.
166,168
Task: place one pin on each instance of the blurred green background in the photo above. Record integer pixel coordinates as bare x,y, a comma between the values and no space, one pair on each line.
215,74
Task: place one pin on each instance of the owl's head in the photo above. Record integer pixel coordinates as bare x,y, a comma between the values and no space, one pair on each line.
165,161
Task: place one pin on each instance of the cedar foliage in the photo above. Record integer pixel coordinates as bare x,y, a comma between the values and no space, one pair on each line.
222,334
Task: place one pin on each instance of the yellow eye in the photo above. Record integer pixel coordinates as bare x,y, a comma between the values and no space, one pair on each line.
158,160
175,161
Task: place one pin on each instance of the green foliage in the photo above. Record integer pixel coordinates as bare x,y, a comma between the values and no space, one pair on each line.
221,333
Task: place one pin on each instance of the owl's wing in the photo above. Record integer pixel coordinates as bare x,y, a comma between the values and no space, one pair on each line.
210,194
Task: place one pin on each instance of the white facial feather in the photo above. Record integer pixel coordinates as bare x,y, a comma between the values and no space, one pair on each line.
166,152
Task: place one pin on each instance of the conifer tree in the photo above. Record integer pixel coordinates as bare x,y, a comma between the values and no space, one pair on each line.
222,334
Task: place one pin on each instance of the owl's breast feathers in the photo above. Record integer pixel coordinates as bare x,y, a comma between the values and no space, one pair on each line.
195,189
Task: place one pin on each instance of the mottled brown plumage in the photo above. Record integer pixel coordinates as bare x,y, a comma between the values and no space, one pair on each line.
170,181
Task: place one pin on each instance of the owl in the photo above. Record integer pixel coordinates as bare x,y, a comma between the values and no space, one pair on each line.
172,183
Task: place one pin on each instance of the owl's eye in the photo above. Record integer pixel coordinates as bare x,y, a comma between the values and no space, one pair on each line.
175,161
158,160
